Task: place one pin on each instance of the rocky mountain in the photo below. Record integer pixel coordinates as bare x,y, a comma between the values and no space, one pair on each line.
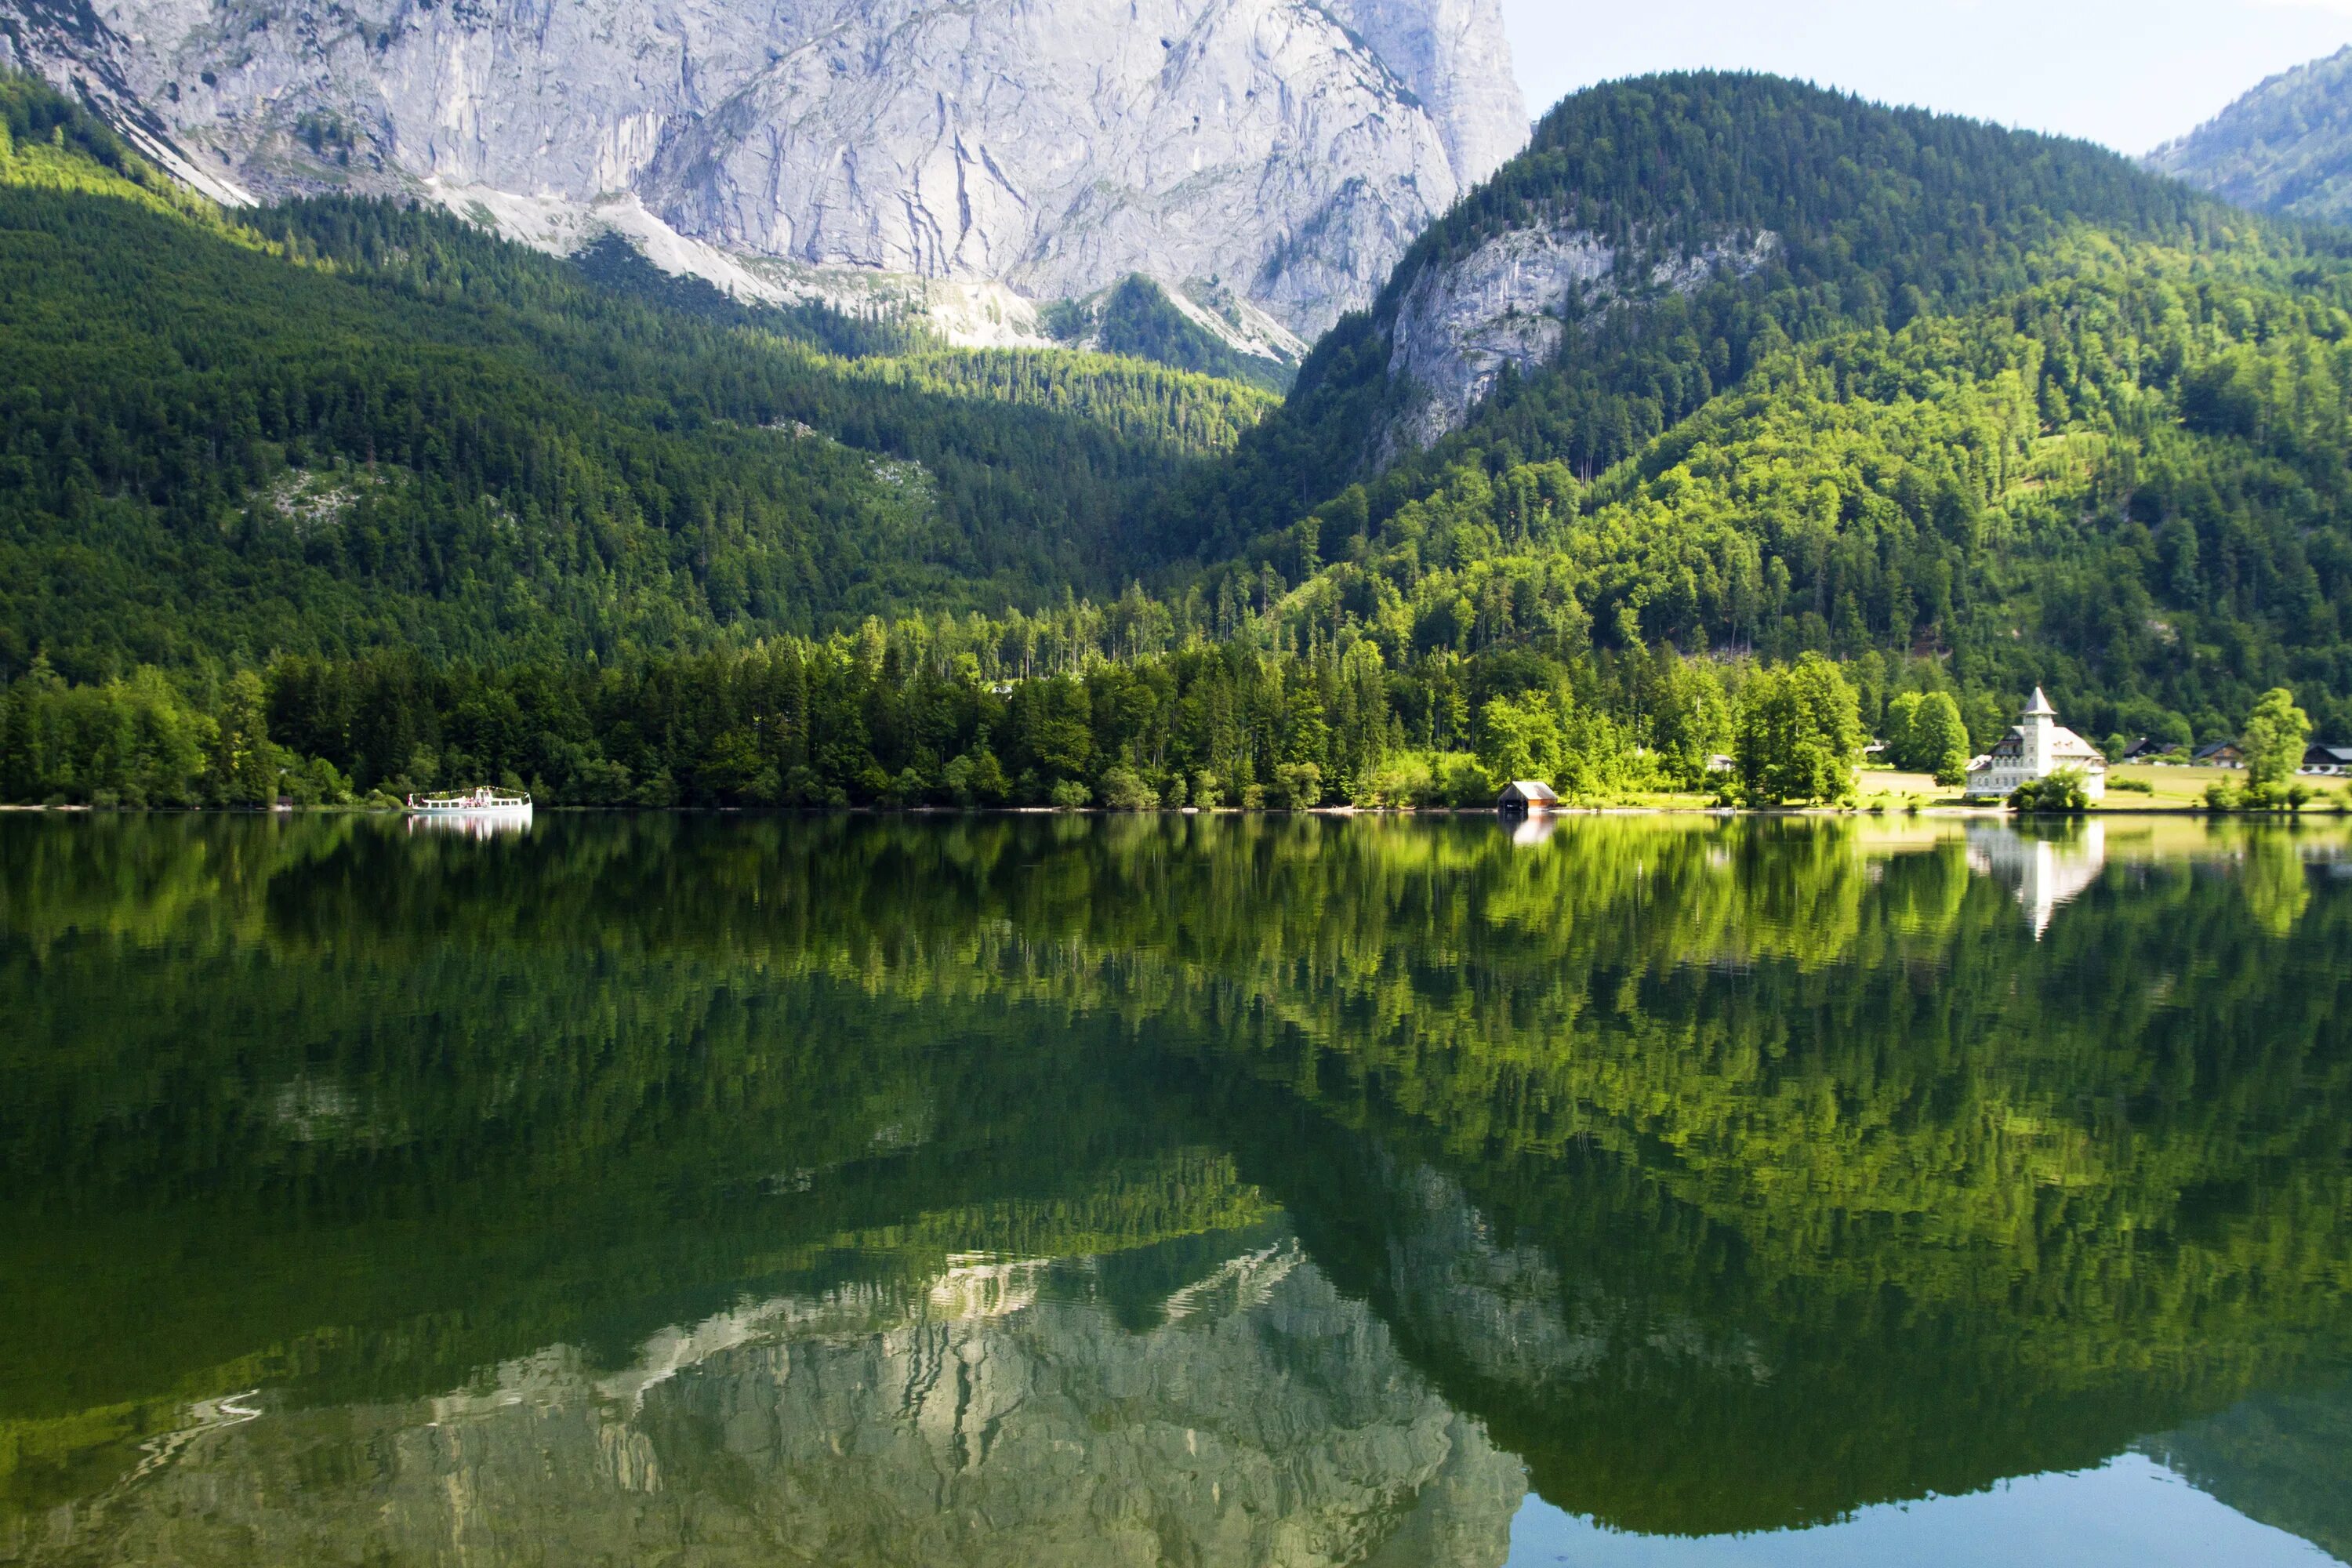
1609,280
984,156
2285,147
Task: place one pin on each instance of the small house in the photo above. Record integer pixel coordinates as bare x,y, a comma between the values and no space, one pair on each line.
2143,749
2219,754
2330,760
1521,797
2034,749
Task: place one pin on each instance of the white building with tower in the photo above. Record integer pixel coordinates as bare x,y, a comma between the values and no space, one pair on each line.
2034,748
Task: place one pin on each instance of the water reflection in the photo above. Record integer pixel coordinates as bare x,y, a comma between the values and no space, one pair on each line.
2129,1513
490,822
1157,1190
2046,868
986,1420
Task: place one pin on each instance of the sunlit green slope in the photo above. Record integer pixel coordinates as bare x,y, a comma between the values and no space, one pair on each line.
2001,400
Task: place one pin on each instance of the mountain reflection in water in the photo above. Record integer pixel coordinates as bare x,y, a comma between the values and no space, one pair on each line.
1170,1190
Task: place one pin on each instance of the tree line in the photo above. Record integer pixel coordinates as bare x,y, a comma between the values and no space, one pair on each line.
966,712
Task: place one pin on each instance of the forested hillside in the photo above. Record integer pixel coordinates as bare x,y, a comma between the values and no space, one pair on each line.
1881,215
1999,409
342,425
2284,148
1136,318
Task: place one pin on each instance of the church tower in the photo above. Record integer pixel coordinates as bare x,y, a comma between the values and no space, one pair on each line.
2040,720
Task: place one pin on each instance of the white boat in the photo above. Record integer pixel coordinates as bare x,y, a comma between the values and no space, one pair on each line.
484,802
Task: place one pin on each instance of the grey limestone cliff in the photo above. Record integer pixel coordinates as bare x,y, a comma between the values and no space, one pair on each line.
1290,148
1508,307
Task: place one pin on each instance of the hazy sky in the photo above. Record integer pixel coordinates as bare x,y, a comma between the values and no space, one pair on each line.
2130,73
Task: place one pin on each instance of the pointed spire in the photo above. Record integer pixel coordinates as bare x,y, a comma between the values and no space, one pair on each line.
2040,708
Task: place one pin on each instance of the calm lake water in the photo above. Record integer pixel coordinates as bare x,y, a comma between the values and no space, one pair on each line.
1194,1191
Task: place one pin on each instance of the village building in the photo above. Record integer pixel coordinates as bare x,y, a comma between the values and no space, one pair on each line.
2034,748
2219,754
2330,760
1521,797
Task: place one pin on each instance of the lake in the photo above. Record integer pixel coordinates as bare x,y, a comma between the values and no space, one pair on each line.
1062,1189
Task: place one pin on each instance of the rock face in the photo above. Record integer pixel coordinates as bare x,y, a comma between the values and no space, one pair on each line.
1290,147
1507,306
1268,1422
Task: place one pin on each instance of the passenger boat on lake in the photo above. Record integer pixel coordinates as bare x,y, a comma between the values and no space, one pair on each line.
484,802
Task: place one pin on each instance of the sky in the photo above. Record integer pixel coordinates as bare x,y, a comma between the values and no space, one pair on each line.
2130,73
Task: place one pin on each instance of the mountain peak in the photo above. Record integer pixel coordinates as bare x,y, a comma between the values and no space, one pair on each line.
1291,147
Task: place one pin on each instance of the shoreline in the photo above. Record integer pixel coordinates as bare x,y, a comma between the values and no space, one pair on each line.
2337,811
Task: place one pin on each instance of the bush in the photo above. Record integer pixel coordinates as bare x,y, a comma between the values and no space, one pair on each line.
1123,789
2064,791
1069,795
316,783
2223,795
1461,782
1298,786
976,778
1402,778
1206,791
2132,786
2275,797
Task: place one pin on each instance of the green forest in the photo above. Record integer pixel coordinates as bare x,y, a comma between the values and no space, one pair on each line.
341,426
340,497
1136,318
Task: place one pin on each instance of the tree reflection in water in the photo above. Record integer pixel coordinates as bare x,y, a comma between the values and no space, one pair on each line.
1187,1189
